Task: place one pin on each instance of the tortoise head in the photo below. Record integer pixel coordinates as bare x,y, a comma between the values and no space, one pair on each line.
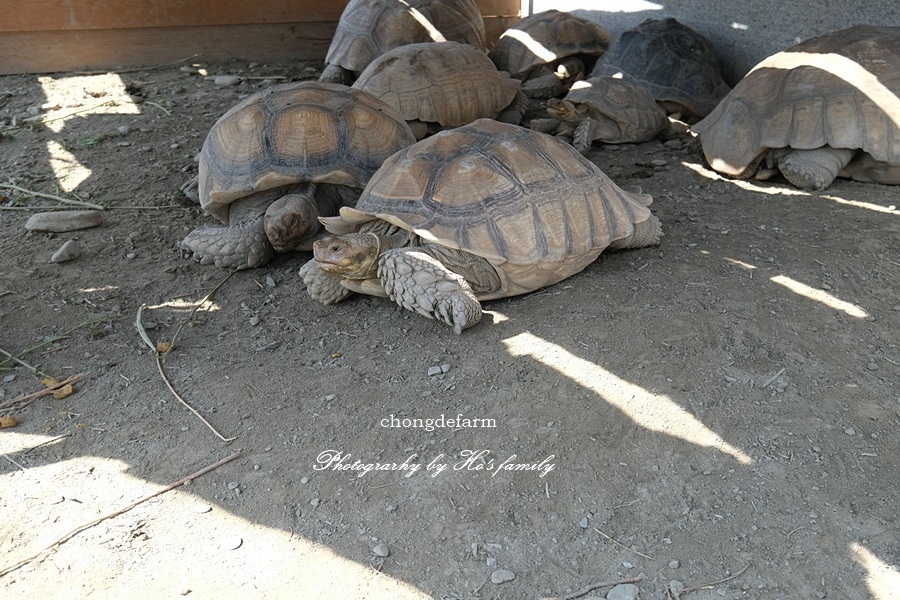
353,256
291,221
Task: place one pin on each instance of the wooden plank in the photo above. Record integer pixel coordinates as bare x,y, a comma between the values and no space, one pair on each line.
54,51
62,15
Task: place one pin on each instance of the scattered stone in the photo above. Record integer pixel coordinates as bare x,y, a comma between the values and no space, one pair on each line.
314,502
850,431
123,129
659,162
625,591
445,367
233,485
202,508
432,371
381,550
227,80
673,143
63,220
254,320
232,543
131,255
491,561
584,523
270,281
68,251
628,565
676,587
502,576
872,366
304,480
674,564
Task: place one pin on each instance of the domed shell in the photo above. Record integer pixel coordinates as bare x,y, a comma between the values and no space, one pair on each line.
296,132
840,90
543,38
529,203
675,63
369,28
638,116
447,83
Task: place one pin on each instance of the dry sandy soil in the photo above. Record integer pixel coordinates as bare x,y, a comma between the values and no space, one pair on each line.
720,411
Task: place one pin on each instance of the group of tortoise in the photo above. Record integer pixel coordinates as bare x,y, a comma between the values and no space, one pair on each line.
406,170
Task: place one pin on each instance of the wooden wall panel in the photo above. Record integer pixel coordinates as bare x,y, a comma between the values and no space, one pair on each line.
70,35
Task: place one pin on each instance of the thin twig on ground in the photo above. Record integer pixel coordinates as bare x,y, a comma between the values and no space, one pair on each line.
594,586
189,407
23,401
773,378
621,545
12,186
80,528
703,586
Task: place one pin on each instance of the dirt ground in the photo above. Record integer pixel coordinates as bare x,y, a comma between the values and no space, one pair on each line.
718,414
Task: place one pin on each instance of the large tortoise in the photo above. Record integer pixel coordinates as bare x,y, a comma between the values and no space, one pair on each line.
609,110
825,108
488,210
549,51
675,63
442,85
369,28
281,158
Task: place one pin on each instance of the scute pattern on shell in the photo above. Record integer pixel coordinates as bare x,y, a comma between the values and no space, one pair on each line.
553,32
447,83
674,62
530,204
369,28
296,132
840,90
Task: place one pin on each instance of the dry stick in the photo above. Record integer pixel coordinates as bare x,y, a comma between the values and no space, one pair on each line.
594,586
12,186
189,407
23,401
190,316
715,583
44,443
80,528
18,360
620,544
774,377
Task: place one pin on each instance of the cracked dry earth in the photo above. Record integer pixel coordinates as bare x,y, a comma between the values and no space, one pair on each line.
720,412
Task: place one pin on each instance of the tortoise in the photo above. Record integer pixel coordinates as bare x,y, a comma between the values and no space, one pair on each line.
369,28
677,64
281,158
441,85
549,51
822,109
608,109
484,211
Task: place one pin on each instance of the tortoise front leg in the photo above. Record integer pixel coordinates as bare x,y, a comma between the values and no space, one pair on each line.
420,283
322,286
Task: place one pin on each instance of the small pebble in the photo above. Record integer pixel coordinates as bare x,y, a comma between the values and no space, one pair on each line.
432,371
226,80
63,220
674,564
872,366
254,320
381,550
659,162
233,485
304,480
270,281
314,502
232,543
628,565
625,591
491,561
584,523
68,251
131,256
123,129
502,576
445,367
202,508
850,431
673,143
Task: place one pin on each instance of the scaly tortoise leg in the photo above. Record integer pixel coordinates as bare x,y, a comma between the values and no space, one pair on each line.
418,282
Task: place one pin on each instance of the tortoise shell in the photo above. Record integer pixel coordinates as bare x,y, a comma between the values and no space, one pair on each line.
530,204
546,37
677,64
369,28
448,83
838,90
637,115
293,133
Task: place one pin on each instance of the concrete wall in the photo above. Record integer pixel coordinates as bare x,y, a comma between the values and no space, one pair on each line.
742,31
